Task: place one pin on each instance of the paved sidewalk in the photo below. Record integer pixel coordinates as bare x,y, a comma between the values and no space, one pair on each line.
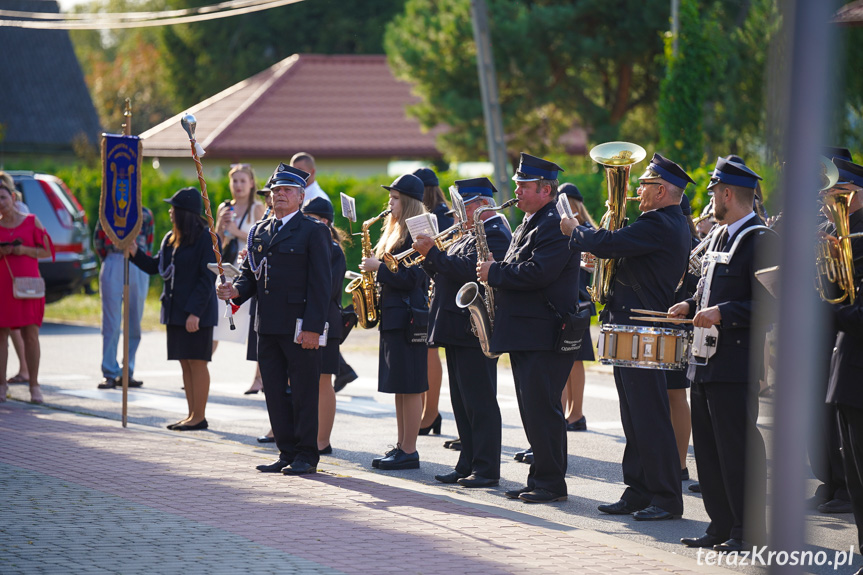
84,495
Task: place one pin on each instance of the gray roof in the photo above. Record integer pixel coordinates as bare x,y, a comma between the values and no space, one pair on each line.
44,102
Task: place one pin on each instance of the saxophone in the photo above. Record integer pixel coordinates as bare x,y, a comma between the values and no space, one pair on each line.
363,289
481,314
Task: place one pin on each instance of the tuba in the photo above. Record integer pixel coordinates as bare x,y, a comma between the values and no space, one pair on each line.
617,158
481,313
835,266
363,289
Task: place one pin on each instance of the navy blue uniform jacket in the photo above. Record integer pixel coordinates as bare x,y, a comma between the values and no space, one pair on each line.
407,285
655,251
448,323
334,313
538,265
300,276
193,289
733,290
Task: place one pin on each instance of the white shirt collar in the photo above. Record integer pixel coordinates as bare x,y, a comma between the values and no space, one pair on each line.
288,217
735,227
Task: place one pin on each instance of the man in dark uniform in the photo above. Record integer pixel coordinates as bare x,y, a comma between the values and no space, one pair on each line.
536,281
724,393
845,391
655,252
472,375
288,269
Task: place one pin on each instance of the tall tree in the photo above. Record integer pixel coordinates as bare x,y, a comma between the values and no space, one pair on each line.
557,63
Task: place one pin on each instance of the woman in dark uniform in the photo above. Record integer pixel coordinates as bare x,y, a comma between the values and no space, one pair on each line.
435,203
322,210
402,366
189,304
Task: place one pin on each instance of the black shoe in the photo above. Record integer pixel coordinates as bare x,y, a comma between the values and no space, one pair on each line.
299,468
731,546
344,378
434,427
528,458
816,500
835,506
173,425
694,487
401,460
519,456
273,467
703,541
455,445
376,462
541,495
653,513
684,474
577,425
328,450
132,382
475,480
620,508
448,443
108,383
200,425
514,493
451,477
266,439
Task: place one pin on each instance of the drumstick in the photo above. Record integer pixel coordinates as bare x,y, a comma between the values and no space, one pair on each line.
649,312
660,319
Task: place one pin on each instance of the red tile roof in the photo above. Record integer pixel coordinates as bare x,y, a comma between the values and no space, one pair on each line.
850,15
329,106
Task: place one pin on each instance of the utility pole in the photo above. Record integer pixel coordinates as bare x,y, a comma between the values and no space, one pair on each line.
490,101
675,26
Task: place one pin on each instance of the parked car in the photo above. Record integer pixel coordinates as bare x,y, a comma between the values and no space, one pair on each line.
76,264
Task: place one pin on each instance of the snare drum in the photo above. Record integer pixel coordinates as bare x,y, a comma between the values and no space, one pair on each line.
644,347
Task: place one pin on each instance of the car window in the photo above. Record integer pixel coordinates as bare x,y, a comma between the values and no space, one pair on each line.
61,193
39,205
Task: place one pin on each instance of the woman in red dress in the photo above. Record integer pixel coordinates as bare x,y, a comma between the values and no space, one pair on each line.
20,259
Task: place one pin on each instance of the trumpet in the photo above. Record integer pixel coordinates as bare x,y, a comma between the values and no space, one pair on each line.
411,257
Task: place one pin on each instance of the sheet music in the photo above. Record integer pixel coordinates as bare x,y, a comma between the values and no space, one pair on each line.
322,339
563,207
349,207
425,224
458,203
769,278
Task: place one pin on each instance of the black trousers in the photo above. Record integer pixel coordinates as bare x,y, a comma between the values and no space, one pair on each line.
540,377
651,464
294,415
473,389
851,434
726,440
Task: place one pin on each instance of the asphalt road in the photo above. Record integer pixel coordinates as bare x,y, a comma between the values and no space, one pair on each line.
365,427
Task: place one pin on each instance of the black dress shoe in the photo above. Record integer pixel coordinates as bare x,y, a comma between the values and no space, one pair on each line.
376,462
475,480
541,495
455,445
401,460
731,546
450,477
328,450
173,425
684,474
577,425
619,508
514,493
519,456
528,458
266,439
695,487
433,428
703,541
299,468
653,513
273,467
344,378
200,425
835,506
132,382
108,383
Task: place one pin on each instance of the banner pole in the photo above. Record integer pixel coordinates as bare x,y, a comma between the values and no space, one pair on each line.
127,131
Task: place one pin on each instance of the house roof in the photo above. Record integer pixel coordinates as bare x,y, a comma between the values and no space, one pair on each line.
850,15
44,103
329,106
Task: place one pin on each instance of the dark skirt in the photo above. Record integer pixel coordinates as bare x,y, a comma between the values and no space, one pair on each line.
330,356
402,367
676,379
252,344
586,351
185,345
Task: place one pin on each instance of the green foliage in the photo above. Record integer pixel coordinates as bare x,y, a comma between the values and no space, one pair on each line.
205,58
557,63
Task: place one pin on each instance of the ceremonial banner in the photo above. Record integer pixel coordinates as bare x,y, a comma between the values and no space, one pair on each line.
120,202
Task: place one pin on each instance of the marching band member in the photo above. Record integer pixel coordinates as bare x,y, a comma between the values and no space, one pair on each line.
538,272
472,375
724,397
655,249
403,363
288,269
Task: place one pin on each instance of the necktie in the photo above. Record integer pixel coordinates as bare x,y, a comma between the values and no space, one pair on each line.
278,225
723,240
